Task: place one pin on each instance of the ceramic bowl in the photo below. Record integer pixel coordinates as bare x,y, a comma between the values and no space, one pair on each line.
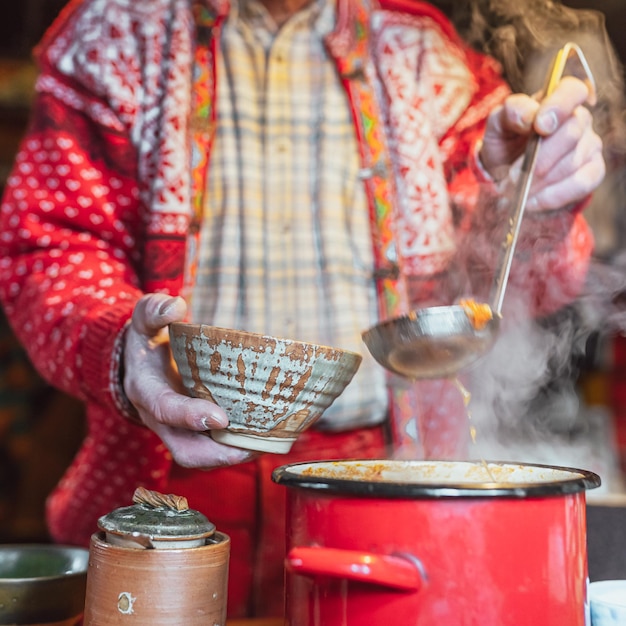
608,602
272,389
42,584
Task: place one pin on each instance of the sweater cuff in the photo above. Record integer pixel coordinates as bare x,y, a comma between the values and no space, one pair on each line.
101,357
122,403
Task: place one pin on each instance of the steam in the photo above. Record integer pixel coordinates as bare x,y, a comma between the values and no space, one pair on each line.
524,395
525,398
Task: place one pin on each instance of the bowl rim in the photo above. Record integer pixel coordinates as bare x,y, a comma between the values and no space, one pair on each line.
75,551
598,587
285,340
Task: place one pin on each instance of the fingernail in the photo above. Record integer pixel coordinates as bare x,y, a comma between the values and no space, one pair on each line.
547,122
167,306
213,421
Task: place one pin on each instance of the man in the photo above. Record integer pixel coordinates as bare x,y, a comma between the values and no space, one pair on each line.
296,168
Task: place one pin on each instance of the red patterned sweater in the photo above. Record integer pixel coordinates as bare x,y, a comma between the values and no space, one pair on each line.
98,208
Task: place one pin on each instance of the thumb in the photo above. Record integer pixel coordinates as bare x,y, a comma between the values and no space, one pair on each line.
155,311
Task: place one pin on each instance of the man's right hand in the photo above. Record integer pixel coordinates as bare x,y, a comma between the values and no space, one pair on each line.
153,386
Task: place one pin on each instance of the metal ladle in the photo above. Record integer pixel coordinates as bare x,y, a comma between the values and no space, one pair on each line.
440,341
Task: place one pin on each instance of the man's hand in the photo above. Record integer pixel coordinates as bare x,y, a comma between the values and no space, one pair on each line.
570,164
153,386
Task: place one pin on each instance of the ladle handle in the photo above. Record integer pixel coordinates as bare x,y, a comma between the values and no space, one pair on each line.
559,64
515,222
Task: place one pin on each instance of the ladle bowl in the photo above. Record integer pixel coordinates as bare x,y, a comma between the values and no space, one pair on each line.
435,342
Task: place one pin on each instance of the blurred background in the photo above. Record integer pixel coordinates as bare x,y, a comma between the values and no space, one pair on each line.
40,428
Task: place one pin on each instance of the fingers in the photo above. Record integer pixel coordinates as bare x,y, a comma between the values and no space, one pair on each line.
195,450
515,116
153,385
180,411
521,113
569,189
570,94
182,424
509,125
570,163
574,143
157,310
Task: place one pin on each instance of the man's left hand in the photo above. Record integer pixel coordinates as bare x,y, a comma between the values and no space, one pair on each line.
570,163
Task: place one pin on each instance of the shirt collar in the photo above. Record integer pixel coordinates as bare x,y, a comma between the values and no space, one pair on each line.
346,39
320,13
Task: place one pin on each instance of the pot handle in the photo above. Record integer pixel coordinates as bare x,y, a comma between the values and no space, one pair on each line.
386,570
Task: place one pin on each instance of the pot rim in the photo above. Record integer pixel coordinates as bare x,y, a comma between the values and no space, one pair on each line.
291,476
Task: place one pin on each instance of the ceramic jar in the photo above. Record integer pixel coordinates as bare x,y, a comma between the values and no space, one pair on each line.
157,563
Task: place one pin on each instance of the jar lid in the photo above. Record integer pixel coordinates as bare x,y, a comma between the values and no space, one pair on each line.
157,520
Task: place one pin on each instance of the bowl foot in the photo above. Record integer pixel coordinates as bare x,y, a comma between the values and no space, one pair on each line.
276,445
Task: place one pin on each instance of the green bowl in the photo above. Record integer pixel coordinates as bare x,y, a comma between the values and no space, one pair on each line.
42,584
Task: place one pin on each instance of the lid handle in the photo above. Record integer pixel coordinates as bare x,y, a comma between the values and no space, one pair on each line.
156,500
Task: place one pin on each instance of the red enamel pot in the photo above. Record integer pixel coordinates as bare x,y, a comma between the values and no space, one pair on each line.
435,543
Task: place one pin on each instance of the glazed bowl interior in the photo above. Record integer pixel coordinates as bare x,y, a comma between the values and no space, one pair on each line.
41,583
